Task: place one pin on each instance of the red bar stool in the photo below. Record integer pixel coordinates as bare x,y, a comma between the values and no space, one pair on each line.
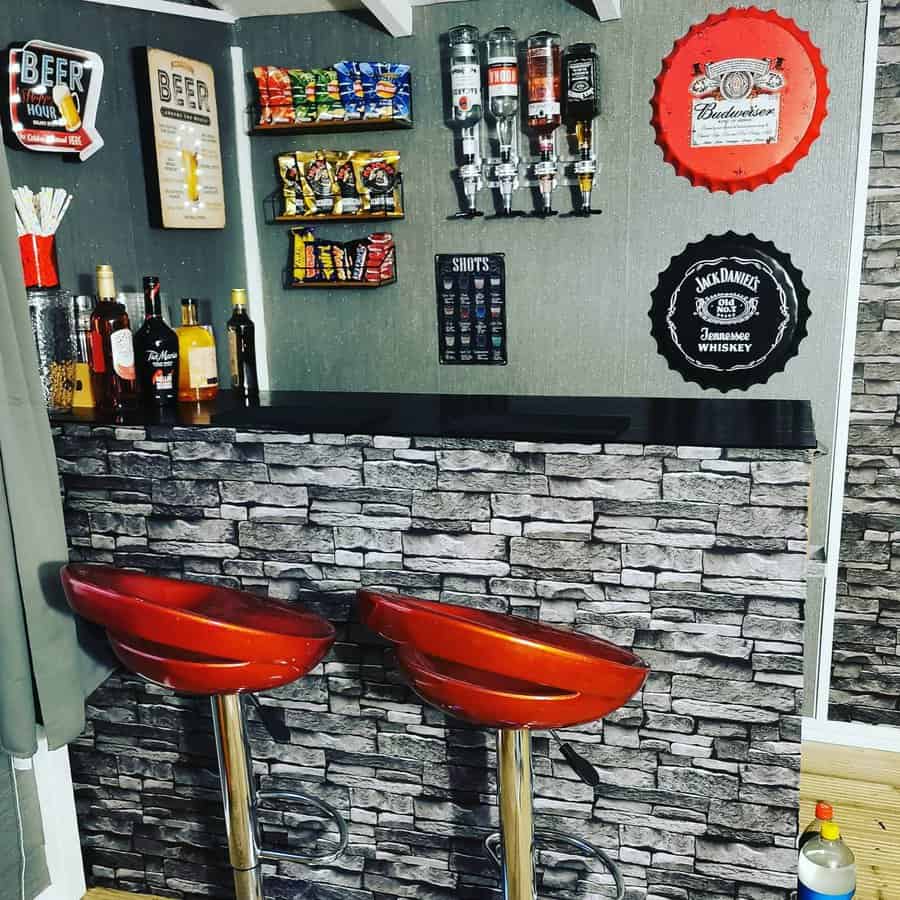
514,675
201,639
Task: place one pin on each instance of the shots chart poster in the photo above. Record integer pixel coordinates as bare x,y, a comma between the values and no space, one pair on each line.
471,307
186,135
730,311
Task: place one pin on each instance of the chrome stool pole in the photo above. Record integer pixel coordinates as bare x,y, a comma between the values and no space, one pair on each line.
238,796
512,848
240,799
515,796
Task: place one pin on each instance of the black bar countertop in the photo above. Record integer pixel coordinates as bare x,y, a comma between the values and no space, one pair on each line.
712,422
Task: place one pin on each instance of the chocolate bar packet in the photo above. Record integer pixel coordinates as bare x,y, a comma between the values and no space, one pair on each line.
325,268
291,184
349,201
274,88
319,186
386,88
303,255
328,95
379,178
303,93
350,89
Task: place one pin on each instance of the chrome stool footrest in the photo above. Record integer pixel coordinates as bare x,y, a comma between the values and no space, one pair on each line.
493,844
327,810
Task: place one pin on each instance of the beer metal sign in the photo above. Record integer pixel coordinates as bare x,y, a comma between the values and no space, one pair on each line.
53,95
740,100
729,311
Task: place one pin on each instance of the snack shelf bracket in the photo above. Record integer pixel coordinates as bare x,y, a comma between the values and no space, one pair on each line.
333,126
274,202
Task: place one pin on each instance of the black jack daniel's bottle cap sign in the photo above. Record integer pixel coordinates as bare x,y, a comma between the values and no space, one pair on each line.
729,311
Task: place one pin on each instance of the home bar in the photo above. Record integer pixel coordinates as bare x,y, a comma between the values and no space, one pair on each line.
449,450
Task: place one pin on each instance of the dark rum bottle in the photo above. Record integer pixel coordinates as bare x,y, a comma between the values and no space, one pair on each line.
242,347
113,375
156,350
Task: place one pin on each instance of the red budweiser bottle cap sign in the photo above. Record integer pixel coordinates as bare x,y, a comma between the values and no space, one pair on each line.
740,99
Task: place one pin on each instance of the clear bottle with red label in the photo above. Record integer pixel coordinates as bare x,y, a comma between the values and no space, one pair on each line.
113,373
503,102
544,75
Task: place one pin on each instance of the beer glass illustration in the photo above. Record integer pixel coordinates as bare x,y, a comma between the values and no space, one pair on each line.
189,166
67,104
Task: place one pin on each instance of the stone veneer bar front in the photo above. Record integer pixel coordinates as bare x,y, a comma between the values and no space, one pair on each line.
693,556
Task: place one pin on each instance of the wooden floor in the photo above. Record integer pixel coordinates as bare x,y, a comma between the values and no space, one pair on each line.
864,788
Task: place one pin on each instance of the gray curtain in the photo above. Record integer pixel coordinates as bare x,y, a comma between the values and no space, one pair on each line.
44,673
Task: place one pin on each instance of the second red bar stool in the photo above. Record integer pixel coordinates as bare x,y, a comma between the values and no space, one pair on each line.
514,675
201,639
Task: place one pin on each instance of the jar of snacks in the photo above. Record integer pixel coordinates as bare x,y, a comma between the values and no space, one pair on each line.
53,323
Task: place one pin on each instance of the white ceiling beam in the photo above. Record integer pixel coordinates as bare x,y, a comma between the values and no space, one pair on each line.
394,15
608,10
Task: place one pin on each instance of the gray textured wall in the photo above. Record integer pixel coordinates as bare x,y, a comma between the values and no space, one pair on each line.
865,686
579,291
695,557
108,220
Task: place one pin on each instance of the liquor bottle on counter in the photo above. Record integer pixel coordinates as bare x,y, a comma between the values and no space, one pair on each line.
581,105
242,347
198,377
156,348
465,89
503,101
544,101
113,376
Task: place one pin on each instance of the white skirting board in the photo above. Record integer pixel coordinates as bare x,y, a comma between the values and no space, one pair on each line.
852,734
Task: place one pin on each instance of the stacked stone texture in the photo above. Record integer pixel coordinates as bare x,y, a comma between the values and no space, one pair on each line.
693,557
865,683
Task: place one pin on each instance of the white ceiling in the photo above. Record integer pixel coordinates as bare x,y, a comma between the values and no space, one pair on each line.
245,8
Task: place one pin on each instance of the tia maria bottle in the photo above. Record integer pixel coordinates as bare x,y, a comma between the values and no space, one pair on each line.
156,350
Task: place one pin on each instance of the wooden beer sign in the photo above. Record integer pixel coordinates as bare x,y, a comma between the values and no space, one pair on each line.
53,95
185,123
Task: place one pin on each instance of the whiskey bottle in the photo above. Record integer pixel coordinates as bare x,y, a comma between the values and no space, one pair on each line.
156,349
242,347
581,105
198,377
113,376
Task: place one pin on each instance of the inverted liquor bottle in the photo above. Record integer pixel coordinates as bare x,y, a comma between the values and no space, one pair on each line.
503,102
242,347
544,108
581,105
113,375
198,377
156,348
466,108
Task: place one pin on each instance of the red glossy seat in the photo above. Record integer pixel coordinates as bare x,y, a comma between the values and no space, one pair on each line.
502,671
194,637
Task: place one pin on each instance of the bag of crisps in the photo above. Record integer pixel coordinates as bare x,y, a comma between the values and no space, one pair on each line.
291,184
274,88
349,201
350,88
303,93
328,95
319,186
379,178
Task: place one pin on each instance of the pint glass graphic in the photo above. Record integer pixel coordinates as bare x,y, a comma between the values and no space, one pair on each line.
67,105
189,166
